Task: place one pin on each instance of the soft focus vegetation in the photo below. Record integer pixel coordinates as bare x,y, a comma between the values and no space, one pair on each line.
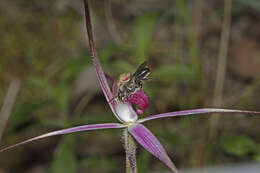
43,44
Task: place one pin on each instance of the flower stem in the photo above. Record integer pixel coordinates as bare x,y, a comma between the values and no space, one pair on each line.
130,149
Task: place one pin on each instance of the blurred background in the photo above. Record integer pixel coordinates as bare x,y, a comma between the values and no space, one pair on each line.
202,54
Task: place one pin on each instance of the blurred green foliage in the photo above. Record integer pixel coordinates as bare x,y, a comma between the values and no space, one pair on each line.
99,164
239,145
65,160
144,32
251,3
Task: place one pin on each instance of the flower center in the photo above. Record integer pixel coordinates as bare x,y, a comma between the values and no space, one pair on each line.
126,113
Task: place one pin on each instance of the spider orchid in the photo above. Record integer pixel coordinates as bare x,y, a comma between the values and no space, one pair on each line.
127,113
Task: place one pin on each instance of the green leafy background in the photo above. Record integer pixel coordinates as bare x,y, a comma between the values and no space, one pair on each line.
44,45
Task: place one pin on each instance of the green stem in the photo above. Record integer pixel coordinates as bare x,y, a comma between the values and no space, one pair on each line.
130,149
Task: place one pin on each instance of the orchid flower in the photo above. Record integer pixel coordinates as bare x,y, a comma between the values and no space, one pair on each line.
127,114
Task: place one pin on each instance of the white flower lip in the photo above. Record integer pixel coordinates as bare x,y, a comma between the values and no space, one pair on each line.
126,113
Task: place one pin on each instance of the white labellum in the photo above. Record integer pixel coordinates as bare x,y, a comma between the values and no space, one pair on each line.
126,113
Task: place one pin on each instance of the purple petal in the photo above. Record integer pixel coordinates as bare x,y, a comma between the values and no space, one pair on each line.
99,70
69,130
141,99
195,111
144,137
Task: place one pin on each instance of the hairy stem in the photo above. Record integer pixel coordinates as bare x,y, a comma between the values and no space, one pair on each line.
130,149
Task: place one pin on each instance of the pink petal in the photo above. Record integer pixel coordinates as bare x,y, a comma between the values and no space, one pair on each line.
69,130
195,111
145,138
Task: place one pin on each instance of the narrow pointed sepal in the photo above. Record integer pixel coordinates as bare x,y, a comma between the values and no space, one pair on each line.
100,73
146,138
195,111
67,131
130,150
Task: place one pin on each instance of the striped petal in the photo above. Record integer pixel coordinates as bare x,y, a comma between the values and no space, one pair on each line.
195,111
145,138
67,131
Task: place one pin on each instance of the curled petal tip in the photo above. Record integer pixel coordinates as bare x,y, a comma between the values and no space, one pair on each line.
140,111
